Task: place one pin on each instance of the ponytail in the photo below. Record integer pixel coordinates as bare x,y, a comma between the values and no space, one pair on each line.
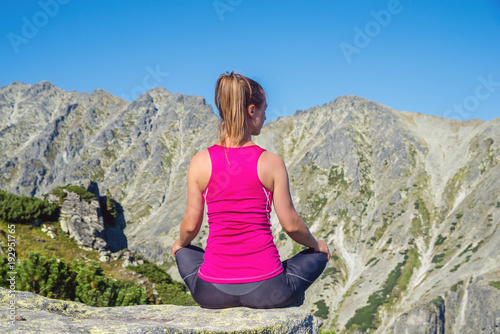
234,93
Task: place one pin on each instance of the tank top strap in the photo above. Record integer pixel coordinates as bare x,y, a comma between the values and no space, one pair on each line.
234,164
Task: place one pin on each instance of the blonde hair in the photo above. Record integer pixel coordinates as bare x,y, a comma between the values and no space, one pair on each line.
234,93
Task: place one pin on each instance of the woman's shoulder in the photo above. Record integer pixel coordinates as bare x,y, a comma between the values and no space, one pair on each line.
271,158
270,163
198,169
201,157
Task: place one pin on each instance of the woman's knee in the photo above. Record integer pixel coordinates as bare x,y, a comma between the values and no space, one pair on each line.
191,250
318,262
308,264
188,260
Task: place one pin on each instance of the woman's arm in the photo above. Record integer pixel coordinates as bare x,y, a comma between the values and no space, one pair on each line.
193,217
275,176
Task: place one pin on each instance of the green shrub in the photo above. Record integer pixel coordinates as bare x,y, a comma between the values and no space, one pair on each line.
495,284
83,193
439,240
53,278
477,246
365,317
323,310
438,258
438,301
110,211
465,250
327,331
46,277
170,291
454,287
26,209
94,289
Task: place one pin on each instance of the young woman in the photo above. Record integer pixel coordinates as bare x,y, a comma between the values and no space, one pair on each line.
239,181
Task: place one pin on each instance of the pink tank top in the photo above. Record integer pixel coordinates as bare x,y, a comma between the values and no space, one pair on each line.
240,247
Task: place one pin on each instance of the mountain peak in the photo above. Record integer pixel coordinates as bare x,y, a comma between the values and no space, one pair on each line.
44,84
356,102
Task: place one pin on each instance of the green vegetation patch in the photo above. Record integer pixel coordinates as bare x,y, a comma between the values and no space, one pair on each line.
79,281
336,177
297,248
438,258
495,284
438,301
170,291
475,249
83,193
422,208
454,287
26,209
323,310
365,317
330,271
439,240
110,212
317,204
326,331
465,250
412,263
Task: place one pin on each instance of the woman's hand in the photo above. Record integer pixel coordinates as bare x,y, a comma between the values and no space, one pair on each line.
177,245
323,248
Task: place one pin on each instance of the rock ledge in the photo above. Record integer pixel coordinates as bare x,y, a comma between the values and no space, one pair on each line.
45,315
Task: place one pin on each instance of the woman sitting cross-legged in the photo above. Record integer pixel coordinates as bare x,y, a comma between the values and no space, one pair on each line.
239,181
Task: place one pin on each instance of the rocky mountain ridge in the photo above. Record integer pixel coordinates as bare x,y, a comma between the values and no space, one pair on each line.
409,203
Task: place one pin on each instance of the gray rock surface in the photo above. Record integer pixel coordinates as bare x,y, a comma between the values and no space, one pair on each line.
82,220
425,319
467,308
44,315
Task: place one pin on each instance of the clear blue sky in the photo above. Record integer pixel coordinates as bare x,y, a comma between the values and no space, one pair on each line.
434,57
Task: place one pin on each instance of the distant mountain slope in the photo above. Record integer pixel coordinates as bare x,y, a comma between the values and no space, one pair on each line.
393,190
409,203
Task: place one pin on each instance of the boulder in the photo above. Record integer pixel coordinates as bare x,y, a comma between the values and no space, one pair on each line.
45,315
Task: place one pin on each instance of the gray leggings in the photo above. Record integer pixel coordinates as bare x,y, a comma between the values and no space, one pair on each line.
282,290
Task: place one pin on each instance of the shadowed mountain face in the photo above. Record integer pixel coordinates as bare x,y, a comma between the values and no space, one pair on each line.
409,203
